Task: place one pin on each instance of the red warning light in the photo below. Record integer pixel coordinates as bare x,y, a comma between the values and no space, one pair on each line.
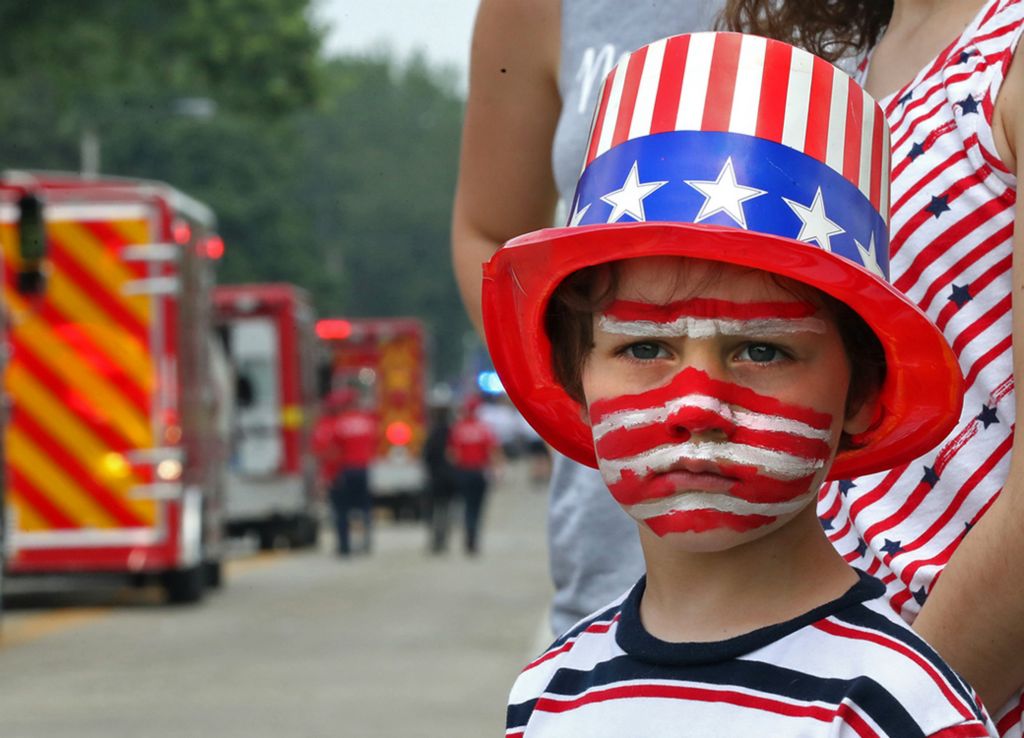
398,433
181,231
333,328
214,247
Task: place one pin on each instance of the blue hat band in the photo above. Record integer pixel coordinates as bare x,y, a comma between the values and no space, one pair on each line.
737,180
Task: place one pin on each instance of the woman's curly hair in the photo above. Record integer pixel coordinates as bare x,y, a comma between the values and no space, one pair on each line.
830,29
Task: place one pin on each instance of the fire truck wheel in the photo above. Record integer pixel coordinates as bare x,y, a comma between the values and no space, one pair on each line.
214,571
185,586
268,536
304,532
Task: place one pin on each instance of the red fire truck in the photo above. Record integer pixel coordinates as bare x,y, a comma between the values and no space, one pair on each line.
114,459
385,361
270,338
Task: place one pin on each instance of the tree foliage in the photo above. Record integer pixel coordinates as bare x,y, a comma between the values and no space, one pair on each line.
334,174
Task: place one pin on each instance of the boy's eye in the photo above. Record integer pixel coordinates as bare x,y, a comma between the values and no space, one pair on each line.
760,353
645,351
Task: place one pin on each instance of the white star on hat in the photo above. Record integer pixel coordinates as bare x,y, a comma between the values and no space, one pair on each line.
869,257
724,195
815,225
577,214
629,199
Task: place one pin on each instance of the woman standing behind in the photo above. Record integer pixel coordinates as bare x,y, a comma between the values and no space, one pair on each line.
944,72
535,72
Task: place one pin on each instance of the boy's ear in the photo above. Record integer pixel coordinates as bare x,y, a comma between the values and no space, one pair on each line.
863,415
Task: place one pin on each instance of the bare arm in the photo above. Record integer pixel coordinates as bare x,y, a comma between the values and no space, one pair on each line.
505,184
974,617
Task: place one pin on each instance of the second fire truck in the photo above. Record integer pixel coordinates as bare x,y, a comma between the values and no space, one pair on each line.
269,333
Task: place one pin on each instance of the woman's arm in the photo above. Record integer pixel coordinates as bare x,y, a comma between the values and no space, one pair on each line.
974,617
505,184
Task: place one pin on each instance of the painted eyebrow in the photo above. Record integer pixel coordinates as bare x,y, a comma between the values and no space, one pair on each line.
705,317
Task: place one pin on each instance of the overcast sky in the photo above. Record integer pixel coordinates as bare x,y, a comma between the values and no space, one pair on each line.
441,29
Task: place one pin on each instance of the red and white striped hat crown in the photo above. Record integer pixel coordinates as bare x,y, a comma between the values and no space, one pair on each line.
744,150
717,82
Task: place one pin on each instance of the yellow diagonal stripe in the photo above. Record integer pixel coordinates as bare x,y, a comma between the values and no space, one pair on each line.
92,257
64,427
38,338
117,346
25,517
9,237
133,231
33,464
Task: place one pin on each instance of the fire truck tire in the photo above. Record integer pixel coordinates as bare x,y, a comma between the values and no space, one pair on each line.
185,586
304,532
268,536
214,572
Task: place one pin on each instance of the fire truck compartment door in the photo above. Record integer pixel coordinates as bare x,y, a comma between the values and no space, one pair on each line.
256,355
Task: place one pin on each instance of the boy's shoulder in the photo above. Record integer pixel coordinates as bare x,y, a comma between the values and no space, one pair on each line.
852,661
866,656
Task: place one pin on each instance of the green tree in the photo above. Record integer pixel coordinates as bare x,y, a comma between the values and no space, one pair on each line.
382,156
336,175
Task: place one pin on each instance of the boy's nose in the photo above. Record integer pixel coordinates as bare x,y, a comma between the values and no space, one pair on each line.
712,420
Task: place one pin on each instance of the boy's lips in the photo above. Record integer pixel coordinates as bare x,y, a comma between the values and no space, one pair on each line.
696,475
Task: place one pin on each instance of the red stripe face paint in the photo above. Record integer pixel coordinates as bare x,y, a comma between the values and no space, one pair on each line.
654,454
703,318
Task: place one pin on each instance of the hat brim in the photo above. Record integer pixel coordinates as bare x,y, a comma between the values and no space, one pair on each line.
920,399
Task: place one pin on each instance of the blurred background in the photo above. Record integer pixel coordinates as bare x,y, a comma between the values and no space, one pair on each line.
218,219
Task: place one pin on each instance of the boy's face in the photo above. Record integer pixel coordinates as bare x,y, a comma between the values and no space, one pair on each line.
716,397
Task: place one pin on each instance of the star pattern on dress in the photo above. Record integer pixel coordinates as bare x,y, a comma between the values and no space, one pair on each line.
916,150
920,595
968,105
869,257
814,223
629,199
987,416
862,547
938,205
892,548
967,528
965,56
826,523
845,485
930,477
577,214
724,195
906,98
960,294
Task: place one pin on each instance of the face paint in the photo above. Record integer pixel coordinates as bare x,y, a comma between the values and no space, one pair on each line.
703,318
764,468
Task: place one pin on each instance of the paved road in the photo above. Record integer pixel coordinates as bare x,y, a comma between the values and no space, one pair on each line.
395,645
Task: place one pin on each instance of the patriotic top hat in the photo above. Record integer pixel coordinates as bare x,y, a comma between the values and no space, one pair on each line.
740,149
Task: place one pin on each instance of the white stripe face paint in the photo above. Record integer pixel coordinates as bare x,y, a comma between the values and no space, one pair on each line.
709,327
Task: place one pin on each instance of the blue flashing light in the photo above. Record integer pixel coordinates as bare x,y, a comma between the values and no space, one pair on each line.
488,382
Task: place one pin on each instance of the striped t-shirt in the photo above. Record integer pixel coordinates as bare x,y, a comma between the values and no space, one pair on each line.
952,225
848,668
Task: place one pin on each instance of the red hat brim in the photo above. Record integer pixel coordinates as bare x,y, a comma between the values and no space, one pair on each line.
920,399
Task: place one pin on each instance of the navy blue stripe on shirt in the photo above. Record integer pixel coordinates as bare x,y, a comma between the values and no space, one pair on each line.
864,617
755,676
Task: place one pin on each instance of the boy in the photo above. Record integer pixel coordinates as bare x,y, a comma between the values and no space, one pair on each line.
714,332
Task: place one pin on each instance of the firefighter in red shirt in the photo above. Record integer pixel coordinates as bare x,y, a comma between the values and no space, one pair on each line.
348,439
472,448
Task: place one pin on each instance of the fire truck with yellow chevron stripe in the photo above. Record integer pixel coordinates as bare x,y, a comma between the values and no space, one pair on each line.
115,446
385,361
